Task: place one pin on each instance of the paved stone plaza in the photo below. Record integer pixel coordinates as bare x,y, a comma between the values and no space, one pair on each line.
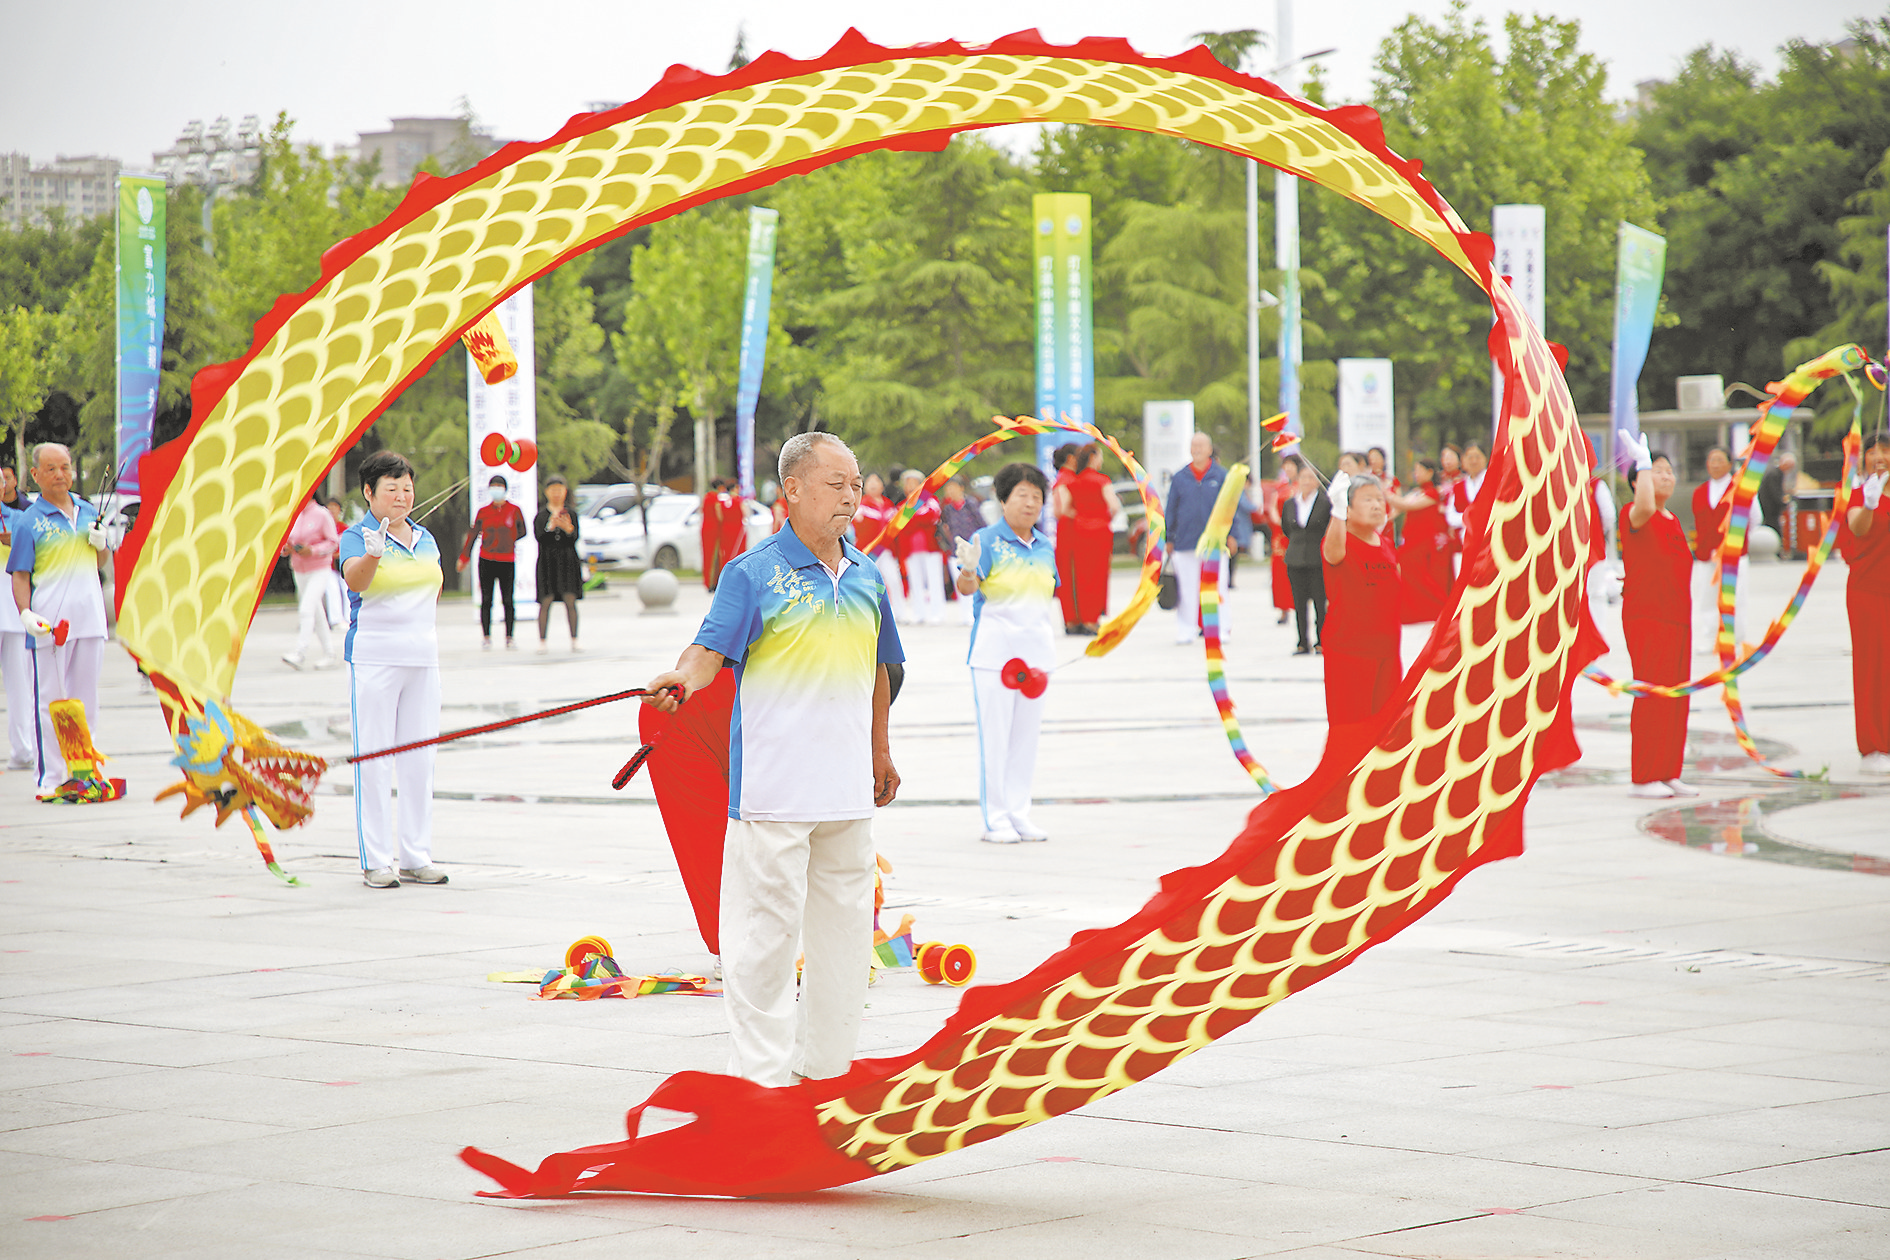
1660,1034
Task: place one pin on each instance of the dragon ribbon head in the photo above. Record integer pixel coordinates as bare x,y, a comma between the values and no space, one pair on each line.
230,762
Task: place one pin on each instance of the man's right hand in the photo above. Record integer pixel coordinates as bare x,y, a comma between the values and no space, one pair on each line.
667,691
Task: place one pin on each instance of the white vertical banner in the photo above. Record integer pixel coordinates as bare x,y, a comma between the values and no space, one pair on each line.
509,409
1167,429
1519,233
1365,410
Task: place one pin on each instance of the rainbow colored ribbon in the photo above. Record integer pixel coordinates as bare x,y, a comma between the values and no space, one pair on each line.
1843,361
1116,628
1209,549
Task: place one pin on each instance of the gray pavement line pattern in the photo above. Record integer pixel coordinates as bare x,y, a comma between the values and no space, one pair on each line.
1736,828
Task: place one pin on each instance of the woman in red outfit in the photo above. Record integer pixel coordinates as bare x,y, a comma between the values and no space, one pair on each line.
1275,493
1066,461
1084,504
869,519
498,527
1424,555
712,504
1656,618
919,550
1865,539
1362,601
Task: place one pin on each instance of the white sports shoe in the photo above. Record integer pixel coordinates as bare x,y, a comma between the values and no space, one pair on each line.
1006,836
1655,791
1877,763
1682,789
292,659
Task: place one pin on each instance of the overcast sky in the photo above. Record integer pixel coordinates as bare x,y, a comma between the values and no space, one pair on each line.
120,78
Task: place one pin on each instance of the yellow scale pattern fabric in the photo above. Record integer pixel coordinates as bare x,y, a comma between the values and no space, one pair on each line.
259,453
1154,1006
216,529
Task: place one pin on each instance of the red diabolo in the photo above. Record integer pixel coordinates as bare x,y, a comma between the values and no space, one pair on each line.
1021,677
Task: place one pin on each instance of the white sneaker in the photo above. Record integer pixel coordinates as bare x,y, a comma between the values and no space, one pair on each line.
1877,763
1185,637
1006,836
1655,791
293,660
1030,831
1682,789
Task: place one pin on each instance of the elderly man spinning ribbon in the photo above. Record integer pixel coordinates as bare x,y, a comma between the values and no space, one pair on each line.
805,622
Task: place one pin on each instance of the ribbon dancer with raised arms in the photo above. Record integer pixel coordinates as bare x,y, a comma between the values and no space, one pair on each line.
805,622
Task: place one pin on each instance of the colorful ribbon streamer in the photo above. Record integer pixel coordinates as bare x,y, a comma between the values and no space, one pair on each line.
262,846
1795,388
1210,548
1117,628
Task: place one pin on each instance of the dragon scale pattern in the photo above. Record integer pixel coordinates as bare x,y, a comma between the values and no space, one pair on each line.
357,338
1379,847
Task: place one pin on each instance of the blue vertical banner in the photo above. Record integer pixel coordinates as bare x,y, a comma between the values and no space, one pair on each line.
139,270
758,293
1641,264
1066,360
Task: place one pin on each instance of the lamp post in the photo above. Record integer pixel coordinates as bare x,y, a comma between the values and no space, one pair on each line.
1286,258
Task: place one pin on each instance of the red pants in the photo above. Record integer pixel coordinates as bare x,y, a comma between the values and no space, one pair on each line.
1870,669
1357,686
1661,653
1085,575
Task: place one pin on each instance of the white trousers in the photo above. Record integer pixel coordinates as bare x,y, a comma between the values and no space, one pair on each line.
311,600
888,565
394,704
1706,605
784,882
1187,567
927,570
1008,723
18,668
65,673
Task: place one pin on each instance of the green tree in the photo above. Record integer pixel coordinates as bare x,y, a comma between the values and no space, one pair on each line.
935,339
1758,180
1531,127
573,437
31,342
1857,291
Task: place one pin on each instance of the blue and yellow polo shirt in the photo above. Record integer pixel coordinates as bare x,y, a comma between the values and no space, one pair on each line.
1014,612
394,621
806,647
53,548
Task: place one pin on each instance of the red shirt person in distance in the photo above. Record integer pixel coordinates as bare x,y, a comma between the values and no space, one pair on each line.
497,528
1656,619
1363,598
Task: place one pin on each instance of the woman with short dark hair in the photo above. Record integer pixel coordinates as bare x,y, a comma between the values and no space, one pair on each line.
560,575
1010,569
392,569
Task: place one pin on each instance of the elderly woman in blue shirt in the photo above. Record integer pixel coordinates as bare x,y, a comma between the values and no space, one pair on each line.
1010,570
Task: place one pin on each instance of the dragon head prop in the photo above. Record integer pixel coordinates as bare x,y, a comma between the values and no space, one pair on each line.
230,762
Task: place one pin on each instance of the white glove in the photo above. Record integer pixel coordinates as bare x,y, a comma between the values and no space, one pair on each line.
970,551
36,625
374,541
1637,447
1873,490
1341,482
97,536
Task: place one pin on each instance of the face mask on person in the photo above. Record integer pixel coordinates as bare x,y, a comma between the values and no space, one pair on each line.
496,494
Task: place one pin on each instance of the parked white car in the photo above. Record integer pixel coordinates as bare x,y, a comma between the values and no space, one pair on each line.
613,537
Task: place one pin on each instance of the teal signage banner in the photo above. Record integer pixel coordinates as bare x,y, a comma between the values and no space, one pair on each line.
140,283
1066,361
757,295
1638,273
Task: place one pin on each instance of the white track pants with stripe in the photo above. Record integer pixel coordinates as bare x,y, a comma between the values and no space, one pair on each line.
65,673
394,704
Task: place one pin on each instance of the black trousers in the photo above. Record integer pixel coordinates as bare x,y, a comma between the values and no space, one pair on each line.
495,573
1309,591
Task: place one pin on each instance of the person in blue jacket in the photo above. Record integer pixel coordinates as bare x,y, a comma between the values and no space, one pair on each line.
1191,496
